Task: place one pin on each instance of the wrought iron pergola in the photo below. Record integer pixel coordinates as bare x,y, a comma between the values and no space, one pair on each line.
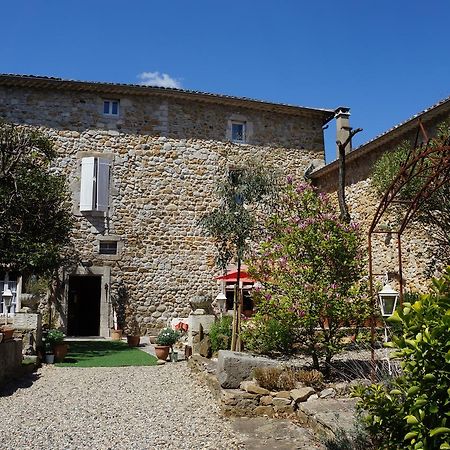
429,165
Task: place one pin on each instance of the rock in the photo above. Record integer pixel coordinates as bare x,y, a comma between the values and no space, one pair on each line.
253,388
279,402
288,409
266,400
235,367
204,348
313,398
234,396
160,362
283,394
302,394
327,393
263,411
342,388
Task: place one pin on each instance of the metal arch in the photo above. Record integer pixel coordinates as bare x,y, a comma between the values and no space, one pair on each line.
430,162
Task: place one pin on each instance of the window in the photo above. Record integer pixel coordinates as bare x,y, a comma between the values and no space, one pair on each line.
111,107
107,248
94,187
238,131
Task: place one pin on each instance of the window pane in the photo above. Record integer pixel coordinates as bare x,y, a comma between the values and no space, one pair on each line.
106,107
108,248
115,108
237,132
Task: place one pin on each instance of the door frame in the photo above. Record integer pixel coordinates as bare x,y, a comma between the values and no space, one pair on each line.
105,281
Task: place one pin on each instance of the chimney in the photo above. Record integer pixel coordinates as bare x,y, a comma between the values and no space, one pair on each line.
342,116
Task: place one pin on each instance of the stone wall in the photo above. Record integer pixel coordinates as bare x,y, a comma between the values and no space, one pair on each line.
417,243
10,359
166,155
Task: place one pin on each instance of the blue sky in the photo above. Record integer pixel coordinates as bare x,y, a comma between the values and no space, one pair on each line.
386,60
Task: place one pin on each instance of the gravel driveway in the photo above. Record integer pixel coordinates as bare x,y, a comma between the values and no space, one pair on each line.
158,407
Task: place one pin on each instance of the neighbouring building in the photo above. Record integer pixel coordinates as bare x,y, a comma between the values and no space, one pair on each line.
417,242
142,164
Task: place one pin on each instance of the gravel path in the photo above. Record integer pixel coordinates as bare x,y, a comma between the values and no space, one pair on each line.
159,407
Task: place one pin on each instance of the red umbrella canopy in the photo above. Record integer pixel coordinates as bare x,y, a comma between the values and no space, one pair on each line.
232,277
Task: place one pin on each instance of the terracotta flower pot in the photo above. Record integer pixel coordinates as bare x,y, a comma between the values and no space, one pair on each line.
133,341
8,332
60,352
162,351
116,335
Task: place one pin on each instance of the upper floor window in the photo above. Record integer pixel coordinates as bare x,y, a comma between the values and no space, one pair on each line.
94,187
111,107
238,132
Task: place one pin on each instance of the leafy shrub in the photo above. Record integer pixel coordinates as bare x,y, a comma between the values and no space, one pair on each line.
310,265
220,334
167,336
268,335
413,410
54,337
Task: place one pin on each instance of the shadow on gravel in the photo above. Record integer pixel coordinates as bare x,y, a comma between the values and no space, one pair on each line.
24,382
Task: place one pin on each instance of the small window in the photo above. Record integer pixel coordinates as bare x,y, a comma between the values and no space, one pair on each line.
238,131
111,107
108,248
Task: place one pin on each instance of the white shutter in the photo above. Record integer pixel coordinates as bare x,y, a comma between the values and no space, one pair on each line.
102,184
87,184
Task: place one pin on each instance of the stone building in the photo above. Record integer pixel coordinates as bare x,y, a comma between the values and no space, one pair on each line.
417,242
142,164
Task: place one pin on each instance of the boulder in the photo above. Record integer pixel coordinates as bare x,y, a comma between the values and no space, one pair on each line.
279,402
263,411
283,394
302,394
266,400
253,388
204,348
327,393
235,367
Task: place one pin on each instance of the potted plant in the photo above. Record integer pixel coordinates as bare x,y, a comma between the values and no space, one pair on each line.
49,357
118,302
55,339
164,342
132,329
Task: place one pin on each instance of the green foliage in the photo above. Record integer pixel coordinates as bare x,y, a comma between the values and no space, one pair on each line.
233,222
413,412
35,220
54,337
268,335
220,334
310,264
435,210
167,336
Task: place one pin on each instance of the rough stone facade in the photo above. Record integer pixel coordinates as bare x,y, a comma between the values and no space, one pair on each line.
166,149
362,200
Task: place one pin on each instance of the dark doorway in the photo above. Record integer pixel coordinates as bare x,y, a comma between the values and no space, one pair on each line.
83,318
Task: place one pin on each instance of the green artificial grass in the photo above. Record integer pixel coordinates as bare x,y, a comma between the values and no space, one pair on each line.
105,354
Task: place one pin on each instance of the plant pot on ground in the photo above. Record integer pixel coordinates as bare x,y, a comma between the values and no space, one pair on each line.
132,328
116,335
7,331
55,339
164,342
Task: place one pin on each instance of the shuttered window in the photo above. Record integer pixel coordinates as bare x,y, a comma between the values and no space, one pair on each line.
94,187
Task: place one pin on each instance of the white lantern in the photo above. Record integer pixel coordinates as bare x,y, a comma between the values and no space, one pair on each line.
7,297
388,300
221,301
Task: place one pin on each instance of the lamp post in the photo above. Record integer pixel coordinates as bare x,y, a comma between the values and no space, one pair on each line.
387,298
7,296
221,302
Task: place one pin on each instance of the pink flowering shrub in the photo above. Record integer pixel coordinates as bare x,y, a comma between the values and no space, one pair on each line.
310,265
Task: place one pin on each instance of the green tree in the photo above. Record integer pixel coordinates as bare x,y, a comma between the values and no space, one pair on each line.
413,410
310,265
435,211
242,192
35,217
